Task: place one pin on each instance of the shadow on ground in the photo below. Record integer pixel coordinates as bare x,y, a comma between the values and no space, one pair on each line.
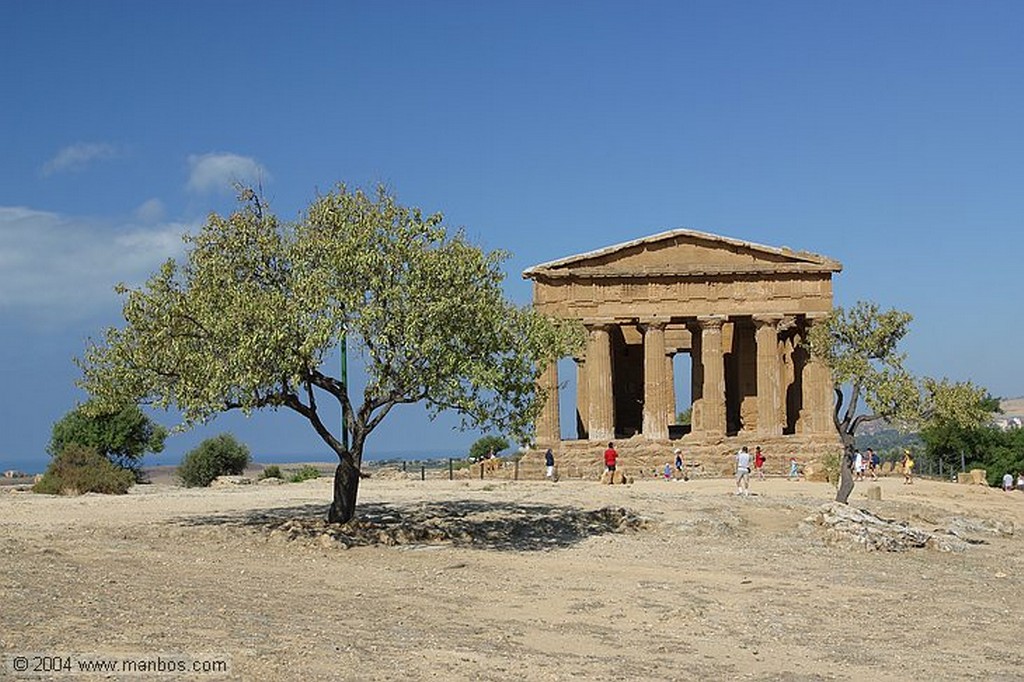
462,523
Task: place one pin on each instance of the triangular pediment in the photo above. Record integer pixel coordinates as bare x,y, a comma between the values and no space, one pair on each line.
683,253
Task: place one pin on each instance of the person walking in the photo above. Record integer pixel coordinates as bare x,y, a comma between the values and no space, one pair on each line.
759,459
549,462
610,459
873,461
908,468
794,469
743,472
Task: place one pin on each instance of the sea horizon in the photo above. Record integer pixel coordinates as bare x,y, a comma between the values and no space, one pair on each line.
37,464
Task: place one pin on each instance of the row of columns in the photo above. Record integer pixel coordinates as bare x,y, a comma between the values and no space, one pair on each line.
595,396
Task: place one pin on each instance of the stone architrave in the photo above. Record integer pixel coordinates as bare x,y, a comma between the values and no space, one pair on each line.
655,422
599,384
713,361
548,422
769,371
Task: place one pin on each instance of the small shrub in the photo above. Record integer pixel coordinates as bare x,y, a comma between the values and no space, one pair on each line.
272,471
80,469
306,473
830,464
221,455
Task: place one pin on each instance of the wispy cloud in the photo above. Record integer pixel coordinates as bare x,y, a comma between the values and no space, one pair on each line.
56,269
150,211
220,172
78,156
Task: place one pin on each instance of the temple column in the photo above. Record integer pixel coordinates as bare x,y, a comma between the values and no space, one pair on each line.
670,388
696,379
712,412
816,416
582,399
655,423
549,430
769,371
601,398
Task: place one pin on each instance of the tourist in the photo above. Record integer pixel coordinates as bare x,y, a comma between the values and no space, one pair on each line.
1007,481
1020,480
549,462
743,472
794,469
679,462
873,461
668,471
908,468
858,465
759,462
610,458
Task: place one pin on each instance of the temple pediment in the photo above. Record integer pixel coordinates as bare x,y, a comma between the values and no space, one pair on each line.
684,253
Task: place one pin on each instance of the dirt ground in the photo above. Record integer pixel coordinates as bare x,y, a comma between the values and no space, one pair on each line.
699,585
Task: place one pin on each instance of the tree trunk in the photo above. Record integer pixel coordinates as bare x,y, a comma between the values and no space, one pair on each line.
845,472
346,487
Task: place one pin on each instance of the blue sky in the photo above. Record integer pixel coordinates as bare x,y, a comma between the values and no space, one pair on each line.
885,135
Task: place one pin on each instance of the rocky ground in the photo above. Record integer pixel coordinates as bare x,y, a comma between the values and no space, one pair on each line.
525,580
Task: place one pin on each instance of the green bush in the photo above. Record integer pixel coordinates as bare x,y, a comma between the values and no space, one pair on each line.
221,455
272,471
485,445
307,472
122,436
81,469
830,464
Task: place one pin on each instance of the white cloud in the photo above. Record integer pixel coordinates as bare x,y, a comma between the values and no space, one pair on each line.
57,269
78,156
151,211
220,172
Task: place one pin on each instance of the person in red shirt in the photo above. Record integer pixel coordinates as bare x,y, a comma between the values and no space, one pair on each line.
610,457
759,462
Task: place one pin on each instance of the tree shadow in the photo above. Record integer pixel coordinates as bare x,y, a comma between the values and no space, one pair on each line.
504,526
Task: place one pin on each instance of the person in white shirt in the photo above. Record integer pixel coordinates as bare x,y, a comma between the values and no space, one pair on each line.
743,471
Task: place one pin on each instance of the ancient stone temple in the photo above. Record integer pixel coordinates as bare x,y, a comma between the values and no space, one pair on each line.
732,312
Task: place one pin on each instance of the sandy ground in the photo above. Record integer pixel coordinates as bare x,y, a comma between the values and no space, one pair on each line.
713,586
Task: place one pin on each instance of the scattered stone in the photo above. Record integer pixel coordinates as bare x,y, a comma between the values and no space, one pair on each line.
230,481
842,523
874,492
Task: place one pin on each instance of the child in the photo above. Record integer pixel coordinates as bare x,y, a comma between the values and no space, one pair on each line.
794,472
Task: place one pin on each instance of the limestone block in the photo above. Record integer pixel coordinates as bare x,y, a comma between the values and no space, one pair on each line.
230,481
615,477
887,468
978,477
965,478
874,492
815,474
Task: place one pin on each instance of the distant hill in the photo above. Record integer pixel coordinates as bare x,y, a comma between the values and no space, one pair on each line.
1013,406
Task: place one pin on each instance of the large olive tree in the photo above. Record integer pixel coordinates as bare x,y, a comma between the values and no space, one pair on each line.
860,347
250,317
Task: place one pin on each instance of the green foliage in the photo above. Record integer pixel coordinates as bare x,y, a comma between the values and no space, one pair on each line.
221,455
860,347
248,319
830,464
123,434
685,416
271,471
487,444
306,473
81,469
